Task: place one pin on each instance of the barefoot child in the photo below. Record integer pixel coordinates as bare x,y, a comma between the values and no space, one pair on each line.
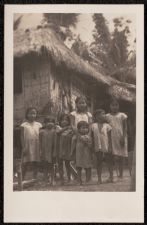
81,114
118,122
47,145
65,135
81,145
101,133
30,142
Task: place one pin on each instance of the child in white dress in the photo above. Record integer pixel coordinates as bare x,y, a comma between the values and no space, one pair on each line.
101,134
30,142
81,113
118,122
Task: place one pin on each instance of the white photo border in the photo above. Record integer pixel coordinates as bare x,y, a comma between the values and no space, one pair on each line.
46,206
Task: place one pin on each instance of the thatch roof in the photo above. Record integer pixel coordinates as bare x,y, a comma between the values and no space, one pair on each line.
125,74
35,40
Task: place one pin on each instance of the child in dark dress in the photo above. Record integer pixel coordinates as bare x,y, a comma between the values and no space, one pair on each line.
65,134
81,146
47,147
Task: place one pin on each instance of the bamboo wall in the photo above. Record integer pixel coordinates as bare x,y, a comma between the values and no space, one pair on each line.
47,91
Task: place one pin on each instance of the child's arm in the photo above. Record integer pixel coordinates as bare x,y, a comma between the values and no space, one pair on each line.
22,140
90,119
61,130
73,145
109,142
124,128
72,123
40,143
92,138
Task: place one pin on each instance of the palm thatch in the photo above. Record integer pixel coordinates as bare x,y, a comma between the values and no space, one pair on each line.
43,39
125,74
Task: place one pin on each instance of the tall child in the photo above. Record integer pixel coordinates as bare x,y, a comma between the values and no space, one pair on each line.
118,122
65,135
101,133
81,114
30,142
82,146
47,147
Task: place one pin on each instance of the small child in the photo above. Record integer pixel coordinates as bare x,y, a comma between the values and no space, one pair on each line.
101,133
81,145
118,122
30,142
65,135
47,145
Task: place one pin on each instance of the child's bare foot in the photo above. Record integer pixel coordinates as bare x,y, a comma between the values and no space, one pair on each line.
52,183
62,183
88,181
99,182
110,180
69,181
79,182
120,176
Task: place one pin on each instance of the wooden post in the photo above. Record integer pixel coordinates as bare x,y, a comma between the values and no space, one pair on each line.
19,172
133,175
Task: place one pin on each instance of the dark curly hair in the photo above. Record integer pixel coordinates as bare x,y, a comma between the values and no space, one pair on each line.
30,109
81,124
81,98
64,116
49,119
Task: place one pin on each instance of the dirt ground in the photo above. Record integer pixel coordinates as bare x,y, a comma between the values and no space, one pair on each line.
119,185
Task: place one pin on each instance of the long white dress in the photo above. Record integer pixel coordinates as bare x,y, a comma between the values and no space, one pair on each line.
116,122
31,141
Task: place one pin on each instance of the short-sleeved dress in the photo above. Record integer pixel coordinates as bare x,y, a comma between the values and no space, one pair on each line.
116,122
31,141
47,144
100,136
87,117
83,152
65,144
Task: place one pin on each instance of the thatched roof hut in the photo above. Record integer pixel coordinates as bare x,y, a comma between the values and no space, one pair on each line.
42,41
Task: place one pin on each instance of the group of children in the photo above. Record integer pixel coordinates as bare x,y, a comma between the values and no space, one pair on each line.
78,137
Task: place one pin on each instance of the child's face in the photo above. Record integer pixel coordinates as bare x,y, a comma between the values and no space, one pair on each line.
114,107
32,114
64,123
81,105
101,117
49,125
84,130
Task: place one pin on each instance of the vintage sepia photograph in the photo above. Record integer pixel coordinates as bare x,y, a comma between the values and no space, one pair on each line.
74,113
74,102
